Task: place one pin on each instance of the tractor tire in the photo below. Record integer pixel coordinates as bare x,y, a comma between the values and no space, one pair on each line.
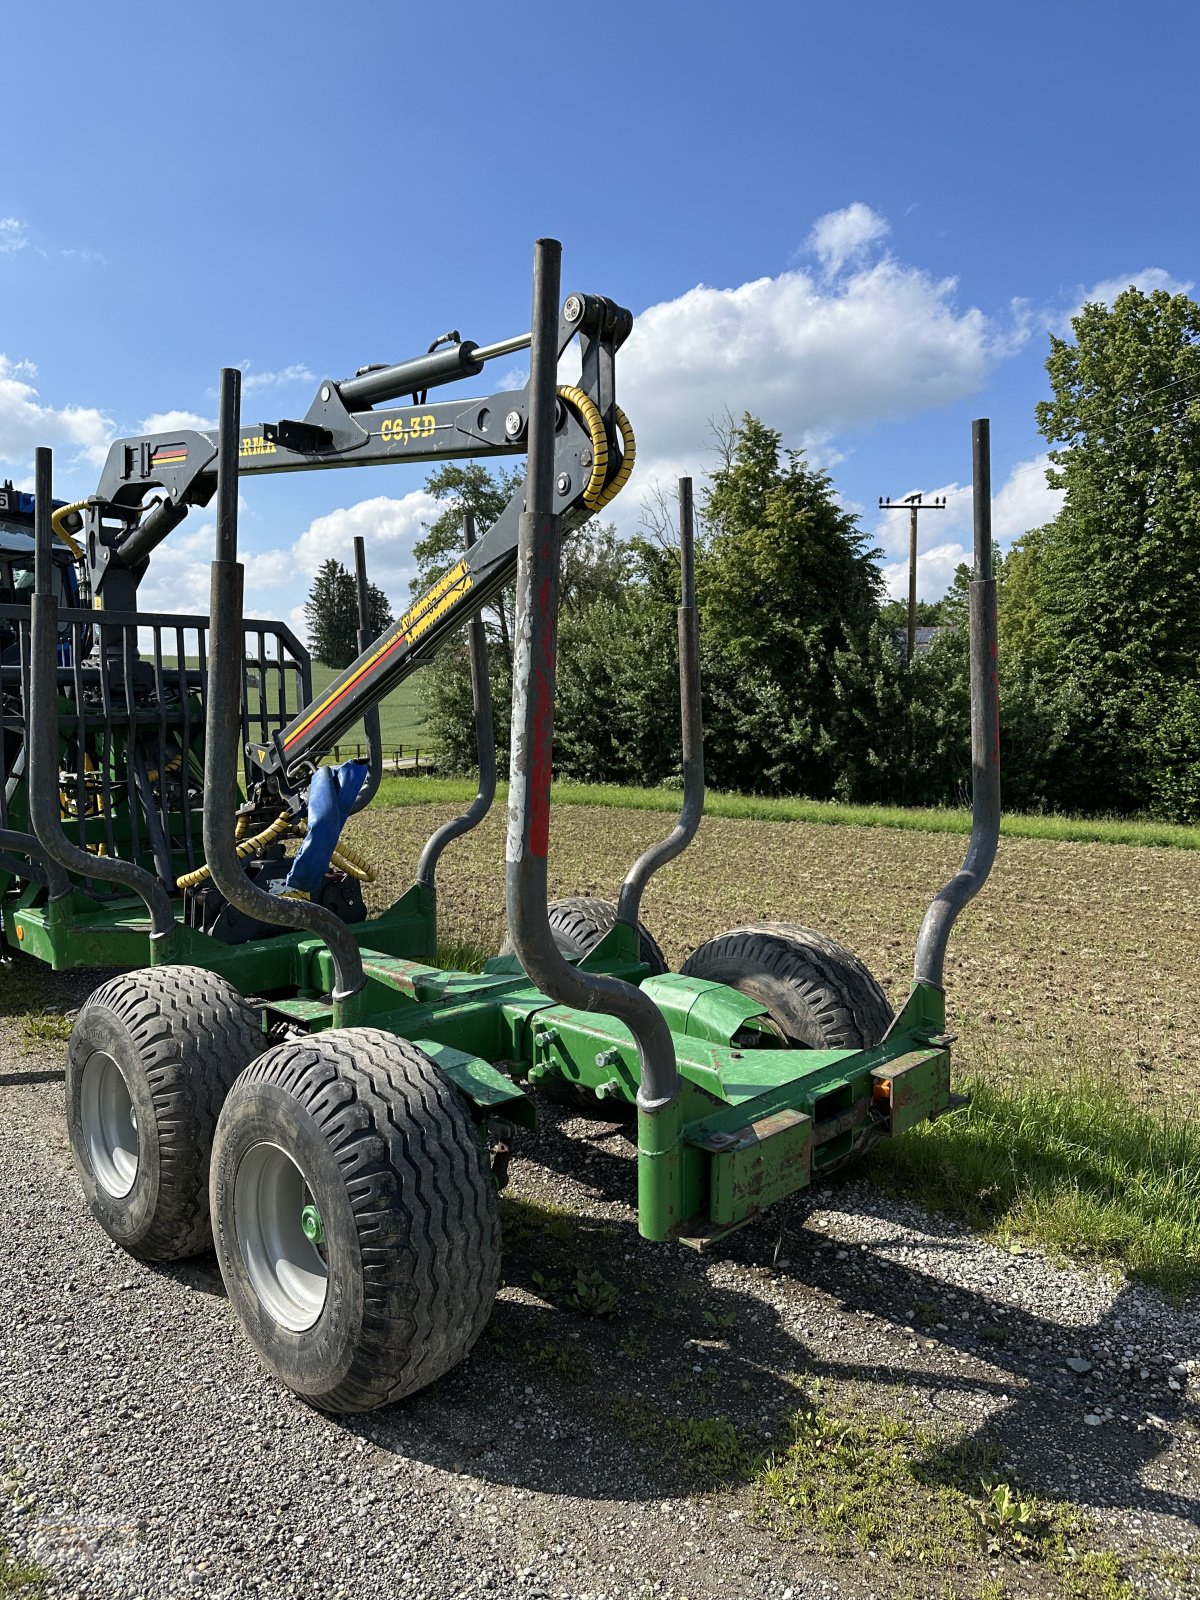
151,1059
818,994
356,1135
578,925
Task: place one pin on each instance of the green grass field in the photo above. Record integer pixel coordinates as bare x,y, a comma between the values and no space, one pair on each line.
760,808
401,715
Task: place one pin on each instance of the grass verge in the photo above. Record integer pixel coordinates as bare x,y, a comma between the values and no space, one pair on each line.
865,1483
1075,1168
416,791
935,1512
18,1579
22,991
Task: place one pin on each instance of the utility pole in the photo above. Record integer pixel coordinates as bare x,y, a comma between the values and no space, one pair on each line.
915,503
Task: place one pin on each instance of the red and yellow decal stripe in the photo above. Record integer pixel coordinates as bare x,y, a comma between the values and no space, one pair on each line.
168,455
420,617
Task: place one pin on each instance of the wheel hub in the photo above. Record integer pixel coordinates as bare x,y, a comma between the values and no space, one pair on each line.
109,1124
311,1225
273,1215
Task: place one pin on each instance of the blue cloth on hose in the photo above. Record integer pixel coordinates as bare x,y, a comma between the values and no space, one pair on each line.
331,797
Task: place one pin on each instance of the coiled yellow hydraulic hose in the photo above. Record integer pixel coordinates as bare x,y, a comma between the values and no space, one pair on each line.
349,861
596,496
58,523
344,858
278,829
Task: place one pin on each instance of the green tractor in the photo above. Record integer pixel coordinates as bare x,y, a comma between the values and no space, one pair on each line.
280,1074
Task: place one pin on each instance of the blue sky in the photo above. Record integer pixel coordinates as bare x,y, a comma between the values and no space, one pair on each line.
857,221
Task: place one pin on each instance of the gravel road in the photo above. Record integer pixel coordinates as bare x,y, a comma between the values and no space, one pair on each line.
145,1455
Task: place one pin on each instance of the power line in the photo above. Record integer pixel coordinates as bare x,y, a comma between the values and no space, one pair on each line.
914,504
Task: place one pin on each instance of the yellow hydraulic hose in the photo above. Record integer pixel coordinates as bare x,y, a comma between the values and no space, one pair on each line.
592,420
597,495
347,860
248,847
344,858
628,457
58,521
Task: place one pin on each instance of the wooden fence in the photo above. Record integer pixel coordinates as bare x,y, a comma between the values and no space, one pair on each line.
399,758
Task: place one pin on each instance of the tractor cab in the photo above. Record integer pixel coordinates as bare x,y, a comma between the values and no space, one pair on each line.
16,563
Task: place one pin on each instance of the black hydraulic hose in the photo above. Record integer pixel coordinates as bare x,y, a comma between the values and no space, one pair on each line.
45,805
223,729
370,717
159,845
533,731
691,721
16,774
485,746
929,961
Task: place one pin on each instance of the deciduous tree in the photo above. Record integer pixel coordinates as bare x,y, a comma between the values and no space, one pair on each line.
1105,609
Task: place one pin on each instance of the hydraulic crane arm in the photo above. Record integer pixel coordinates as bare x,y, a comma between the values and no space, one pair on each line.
481,571
150,483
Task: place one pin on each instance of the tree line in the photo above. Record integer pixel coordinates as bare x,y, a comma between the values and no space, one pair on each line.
806,687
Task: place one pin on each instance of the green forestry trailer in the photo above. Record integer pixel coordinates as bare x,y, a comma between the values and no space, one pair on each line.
302,1085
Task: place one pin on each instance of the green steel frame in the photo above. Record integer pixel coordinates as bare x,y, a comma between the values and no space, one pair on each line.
756,1121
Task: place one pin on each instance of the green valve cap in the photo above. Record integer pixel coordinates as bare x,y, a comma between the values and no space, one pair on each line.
310,1222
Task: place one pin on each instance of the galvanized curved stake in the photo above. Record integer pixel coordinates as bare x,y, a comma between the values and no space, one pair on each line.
691,721
485,745
38,869
223,726
929,962
533,737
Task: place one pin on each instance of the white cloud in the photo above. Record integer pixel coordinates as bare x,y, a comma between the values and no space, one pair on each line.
1023,501
178,576
176,584
80,433
193,540
177,421
842,236
14,236
269,569
935,572
812,359
296,373
390,526
1148,279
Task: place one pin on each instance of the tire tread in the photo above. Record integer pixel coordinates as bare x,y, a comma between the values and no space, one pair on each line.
849,1008
423,1198
193,1033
